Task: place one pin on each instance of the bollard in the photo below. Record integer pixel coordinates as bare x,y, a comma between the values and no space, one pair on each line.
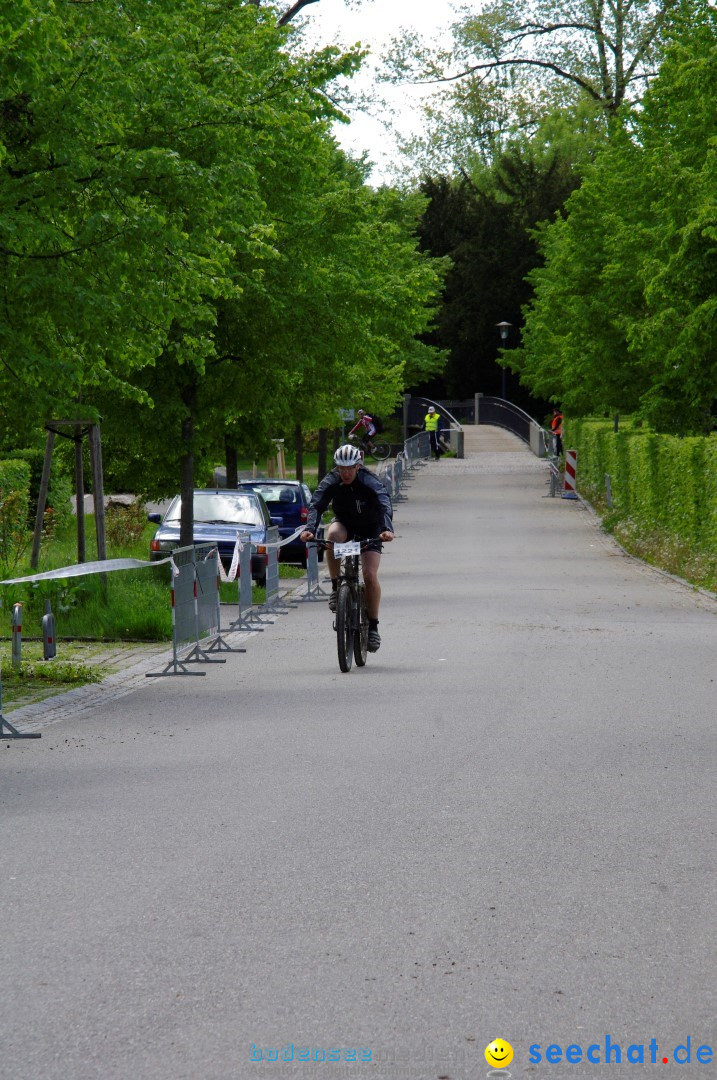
554,479
49,647
571,471
608,490
17,635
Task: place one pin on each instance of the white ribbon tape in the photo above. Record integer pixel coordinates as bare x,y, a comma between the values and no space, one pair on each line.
101,567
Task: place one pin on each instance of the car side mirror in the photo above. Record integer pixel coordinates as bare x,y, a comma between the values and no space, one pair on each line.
156,518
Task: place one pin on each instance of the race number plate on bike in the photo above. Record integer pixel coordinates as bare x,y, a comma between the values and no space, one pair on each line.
351,547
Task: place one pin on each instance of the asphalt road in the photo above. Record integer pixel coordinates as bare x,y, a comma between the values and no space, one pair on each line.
503,827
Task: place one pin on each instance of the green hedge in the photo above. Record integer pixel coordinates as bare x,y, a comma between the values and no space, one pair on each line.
15,477
14,506
660,482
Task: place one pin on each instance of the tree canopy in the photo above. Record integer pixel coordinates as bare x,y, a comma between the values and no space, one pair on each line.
624,309
180,232
511,66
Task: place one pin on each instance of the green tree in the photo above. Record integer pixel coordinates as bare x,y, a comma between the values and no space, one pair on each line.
331,321
513,66
483,224
623,316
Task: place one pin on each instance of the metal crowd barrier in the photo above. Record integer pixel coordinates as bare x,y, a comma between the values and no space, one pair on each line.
189,621
313,591
417,449
399,475
248,618
7,731
273,601
555,478
209,612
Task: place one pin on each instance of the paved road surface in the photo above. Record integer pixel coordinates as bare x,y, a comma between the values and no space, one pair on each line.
504,826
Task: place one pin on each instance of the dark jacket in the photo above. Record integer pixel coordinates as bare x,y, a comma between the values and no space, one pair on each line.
364,505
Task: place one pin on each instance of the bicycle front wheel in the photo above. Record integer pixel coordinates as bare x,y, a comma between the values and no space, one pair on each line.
381,451
361,632
344,627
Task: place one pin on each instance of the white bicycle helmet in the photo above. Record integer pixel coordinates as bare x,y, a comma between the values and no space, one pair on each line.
347,455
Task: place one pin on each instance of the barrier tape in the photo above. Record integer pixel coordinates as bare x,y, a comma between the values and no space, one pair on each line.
101,567
230,575
107,565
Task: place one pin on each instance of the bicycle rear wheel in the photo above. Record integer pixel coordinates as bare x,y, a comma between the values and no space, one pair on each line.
381,450
344,627
361,632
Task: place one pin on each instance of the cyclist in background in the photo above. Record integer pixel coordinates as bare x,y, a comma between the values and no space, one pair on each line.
362,511
365,422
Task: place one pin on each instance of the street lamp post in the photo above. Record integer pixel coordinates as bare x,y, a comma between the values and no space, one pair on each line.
504,328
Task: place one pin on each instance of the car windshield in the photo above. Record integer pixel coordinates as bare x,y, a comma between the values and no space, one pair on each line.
277,493
220,509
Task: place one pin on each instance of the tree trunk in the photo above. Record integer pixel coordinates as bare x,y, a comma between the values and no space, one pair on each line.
42,500
98,492
80,497
186,469
322,453
230,458
299,452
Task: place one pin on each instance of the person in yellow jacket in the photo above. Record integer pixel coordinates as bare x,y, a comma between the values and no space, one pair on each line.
432,424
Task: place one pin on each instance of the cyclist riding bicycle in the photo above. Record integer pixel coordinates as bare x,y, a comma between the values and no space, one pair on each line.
362,511
369,429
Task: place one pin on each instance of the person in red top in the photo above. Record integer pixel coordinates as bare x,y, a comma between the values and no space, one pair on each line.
369,429
556,426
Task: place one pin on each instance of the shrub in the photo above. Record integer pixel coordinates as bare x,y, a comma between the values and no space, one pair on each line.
14,503
124,524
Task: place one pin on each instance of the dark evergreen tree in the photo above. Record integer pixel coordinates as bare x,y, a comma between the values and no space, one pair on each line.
485,226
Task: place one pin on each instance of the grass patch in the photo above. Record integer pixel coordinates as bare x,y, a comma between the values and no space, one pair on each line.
658,547
57,672
37,679
124,605
668,552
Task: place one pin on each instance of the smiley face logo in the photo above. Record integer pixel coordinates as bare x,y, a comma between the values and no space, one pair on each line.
499,1053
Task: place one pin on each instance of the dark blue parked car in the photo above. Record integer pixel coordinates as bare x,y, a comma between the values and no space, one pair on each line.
288,500
218,515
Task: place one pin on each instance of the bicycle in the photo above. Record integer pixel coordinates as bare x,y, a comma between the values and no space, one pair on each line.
351,622
379,451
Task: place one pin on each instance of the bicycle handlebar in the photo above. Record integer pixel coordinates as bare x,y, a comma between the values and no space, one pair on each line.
364,543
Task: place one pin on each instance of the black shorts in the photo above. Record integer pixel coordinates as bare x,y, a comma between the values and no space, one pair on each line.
364,533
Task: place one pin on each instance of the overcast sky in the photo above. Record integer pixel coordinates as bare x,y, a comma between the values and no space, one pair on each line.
374,23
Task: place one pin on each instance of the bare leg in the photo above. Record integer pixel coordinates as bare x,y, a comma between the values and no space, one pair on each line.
371,561
337,532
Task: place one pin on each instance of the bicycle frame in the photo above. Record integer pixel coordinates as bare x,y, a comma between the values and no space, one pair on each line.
351,621
351,615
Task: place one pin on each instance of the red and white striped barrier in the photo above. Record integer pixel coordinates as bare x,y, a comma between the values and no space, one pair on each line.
571,471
